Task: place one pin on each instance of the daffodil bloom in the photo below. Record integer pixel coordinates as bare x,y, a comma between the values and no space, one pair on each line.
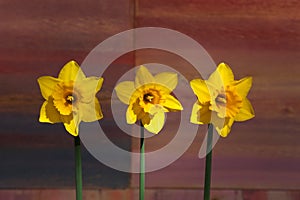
221,100
149,97
70,98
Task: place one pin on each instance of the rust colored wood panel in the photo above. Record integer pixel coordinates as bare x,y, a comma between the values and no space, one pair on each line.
37,38
259,39
255,38
157,194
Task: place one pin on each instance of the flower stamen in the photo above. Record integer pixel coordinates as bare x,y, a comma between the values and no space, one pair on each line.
148,98
70,99
221,100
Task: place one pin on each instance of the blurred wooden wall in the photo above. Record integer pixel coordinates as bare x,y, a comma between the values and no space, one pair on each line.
256,38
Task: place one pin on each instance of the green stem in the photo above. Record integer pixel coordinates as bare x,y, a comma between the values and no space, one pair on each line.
78,169
208,160
142,165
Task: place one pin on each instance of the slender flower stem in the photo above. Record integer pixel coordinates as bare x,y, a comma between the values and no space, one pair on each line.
208,160
78,168
142,164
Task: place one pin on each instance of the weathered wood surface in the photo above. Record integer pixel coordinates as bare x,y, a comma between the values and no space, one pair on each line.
38,38
155,194
261,39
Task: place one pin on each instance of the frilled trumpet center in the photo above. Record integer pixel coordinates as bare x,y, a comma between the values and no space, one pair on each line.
71,99
226,102
151,96
144,99
221,100
148,98
65,97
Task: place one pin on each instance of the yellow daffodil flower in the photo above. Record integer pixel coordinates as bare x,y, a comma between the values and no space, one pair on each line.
68,102
149,98
221,100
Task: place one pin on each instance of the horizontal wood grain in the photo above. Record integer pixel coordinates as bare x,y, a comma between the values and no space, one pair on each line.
258,39
161,194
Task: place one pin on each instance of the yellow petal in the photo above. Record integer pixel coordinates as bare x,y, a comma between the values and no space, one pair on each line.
225,130
205,113
194,115
124,91
100,83
88,88
48,111
52,114
167,79
145,119
98,110
243,86
90,112
47,85
222,76
222,125
73,126
201,113
66,118
143,76
200,89
157,121
130,116
246,112
70,72
172,103
43,115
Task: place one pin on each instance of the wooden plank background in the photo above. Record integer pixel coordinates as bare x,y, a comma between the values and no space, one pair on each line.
261,39
38,38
